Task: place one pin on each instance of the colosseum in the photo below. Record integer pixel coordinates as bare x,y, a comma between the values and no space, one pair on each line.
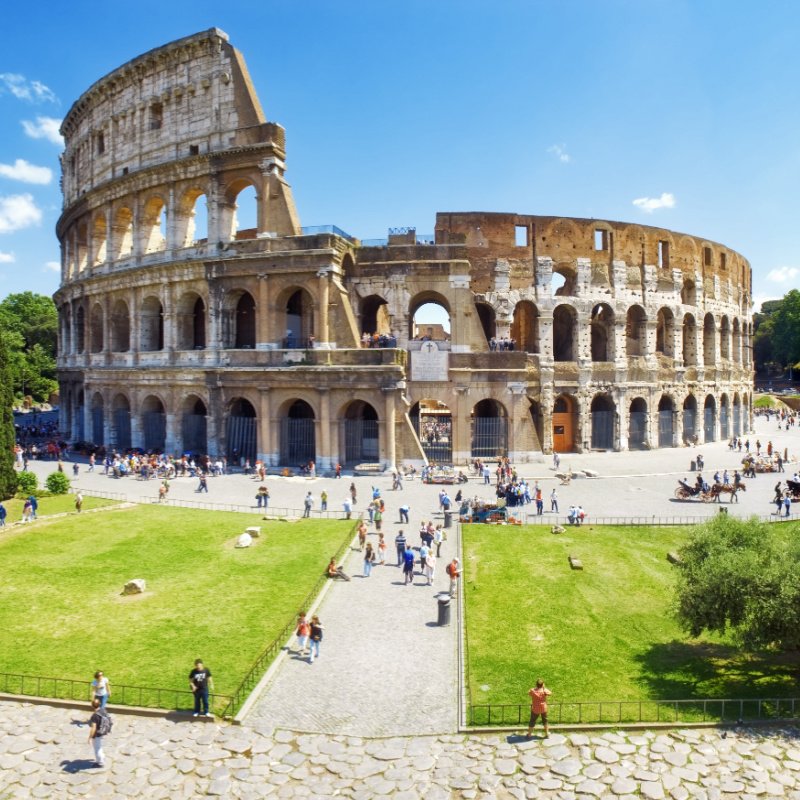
181,330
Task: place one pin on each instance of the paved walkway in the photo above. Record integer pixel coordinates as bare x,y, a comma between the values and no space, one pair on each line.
44,753
386,668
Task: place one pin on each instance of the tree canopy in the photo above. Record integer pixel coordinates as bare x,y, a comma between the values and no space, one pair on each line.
741,577
8,477
777,331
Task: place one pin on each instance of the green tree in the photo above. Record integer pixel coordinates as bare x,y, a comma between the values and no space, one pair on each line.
786,329
741,577
34,317
8,478
57,483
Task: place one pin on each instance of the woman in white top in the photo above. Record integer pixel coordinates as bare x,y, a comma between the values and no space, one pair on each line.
100,688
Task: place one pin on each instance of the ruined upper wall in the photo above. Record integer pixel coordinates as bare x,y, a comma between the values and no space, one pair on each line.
189,97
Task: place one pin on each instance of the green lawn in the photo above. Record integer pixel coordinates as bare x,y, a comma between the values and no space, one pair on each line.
605,633
56,504
62,614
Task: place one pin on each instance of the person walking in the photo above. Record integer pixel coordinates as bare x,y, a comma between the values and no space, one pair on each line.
408,565
3,515
381,550
302,632
316,638
378,517
787,505
100,689
486,475
203,486
100,725
400,545
353,492
454,571
369,560
323,501
437,540
78,501
423,555
32,499
430,567
538,695
554,501
308,502
347,505
200,681
362,534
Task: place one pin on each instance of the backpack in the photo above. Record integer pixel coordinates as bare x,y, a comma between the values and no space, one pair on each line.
105,724
449,569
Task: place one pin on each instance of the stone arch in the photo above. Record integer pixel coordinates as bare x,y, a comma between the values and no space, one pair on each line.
153,225
689,418
637,424
240,212
154,423
298,318
122,233
525,327
192,222
725,338
360,433
298,443
151,325
603,411
99,239
665,332
121,421
709,340
666,421
241,431
347,263
81,245
96,329
710,418
239,320
190,320
564,333
194,425
602,332
98,419
636,332
689,341
120,327
421,328
433,423
565,423
688,291
374,315
489,428
487,318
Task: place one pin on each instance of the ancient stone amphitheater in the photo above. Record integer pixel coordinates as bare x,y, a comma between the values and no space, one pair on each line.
498,334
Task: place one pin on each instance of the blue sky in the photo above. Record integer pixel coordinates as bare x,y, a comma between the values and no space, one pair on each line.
395,110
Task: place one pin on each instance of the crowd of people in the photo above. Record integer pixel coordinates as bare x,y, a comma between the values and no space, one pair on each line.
504,343
378,339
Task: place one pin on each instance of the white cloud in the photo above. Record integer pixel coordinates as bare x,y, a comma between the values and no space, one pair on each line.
18,211
758,299
560,152
52,266
651,204
7,258
783,274
23,89
21,170
44,128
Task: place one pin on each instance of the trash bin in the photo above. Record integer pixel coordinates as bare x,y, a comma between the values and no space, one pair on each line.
448,519
692,466
444,610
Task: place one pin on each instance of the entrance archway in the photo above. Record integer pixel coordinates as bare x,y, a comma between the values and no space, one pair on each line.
194,426
240,435
489,430
710,418
637,424
298,434
360,427
154,424
122,422
433,423
565,428
666,421
98,414
429,317
689,418
299,320
603,412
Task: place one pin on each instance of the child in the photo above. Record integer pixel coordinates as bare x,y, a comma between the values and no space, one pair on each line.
302,631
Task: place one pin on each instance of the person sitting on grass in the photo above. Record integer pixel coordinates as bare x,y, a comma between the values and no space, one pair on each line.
337,572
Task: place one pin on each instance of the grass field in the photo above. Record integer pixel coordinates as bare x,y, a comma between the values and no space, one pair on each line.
605,633
62,614
56,504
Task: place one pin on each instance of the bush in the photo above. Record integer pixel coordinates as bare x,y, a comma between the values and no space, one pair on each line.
766,401
27,483
57,483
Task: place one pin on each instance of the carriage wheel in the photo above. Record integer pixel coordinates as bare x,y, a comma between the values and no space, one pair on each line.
706,497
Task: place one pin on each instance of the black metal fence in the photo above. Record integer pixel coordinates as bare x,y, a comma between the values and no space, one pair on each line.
615,712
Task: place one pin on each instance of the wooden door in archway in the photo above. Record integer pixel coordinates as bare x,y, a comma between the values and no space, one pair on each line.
564,425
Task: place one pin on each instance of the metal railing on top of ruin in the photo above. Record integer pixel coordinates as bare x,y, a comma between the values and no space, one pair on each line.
311,230
421,238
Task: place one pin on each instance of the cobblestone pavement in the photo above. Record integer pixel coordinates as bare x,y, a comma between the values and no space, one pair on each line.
44,753
630,483
386,668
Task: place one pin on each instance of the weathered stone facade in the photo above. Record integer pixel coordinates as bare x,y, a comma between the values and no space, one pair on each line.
248,342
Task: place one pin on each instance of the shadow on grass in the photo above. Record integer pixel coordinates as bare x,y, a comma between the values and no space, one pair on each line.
683,670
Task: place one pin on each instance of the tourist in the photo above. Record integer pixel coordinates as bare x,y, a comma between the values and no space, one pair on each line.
3,514
454,571
538,696
408,565
423,555
378,516
91,463
200,681
203,486
437,540
369,560
554,501
336,572
323,501
307,505
486,474
302,632
430,567
353,493
787,504
404,509
381,549
362,534
316,638
347,505
338,471
400,545
262,496
27,511
34,505
78,501
100,725
100,689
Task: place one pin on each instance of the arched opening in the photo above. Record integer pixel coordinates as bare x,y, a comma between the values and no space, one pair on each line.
709,341
239,321
710,418
430,318
433,423
98,414
689,341
191,322
736,354
525,327
151,325
635,332
123,233
689,419
637,424
154,424
565,427
489,430
725,338
96,326
80,330
154,225
194,426
688,296
665,333
737,415
564,329
298,434
240,436
666,421
487,317
240,213
602,333
724,417
360,431
563,280
120,327
602,412
99,239
121,422
193,218
299,320
81,245
374,316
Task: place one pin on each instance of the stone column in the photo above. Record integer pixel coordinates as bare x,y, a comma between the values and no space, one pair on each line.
263,314
462,440
265,448
109,240
214,338
545,325
389,427
516,422
135,322
215,430
620,343
173,440
137,434
325,456
172,221
546,409
323,333
623,418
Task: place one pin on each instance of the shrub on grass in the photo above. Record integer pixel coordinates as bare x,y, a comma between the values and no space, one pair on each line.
27,483
57,483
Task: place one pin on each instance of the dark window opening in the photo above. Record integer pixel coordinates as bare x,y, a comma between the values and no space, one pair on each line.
707,256
156,116
101,144
194,149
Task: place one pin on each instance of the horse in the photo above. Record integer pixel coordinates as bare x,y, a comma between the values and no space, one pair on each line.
723,488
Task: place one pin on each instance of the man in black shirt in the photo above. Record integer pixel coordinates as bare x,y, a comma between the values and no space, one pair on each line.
99,728
200,682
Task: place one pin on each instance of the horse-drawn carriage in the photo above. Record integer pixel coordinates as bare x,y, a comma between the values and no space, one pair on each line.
709,494
792,490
